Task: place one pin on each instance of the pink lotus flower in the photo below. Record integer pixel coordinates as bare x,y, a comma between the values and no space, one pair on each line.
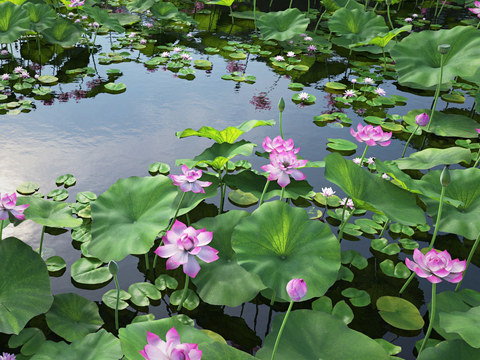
75,3
5,77
408,19
368,80
349,93
189,180
282,165
303,96
436,267
327,192
477,130
422,119
371,135
350,203
7,356
173,349
279,58
7,205
182,244
380,91
297,289
18,70
312,48
307,38
291,54
277,145
476,10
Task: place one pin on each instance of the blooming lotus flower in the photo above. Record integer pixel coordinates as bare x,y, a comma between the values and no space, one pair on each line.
173,349
7,205
385,176
415,15
185,56
143,41
5,77
371,160
182,244
77,21
25,75
349,93
436,267
303,96
7,356
408,19
189,180
189,35
357,160
354,81
477,130
277,145
380,91
177,49
368,80
282,165
290,54
350,203
422,119
279,58
371,135
149,25
297,289
307,38
75,3
476,10
18,69
84,17
165,54
96,25
312,48
327,192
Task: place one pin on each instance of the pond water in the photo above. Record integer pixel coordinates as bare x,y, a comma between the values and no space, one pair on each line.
100,137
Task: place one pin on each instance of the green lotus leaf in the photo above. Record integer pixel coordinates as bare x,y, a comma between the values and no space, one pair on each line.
159,167
453,98
202,63
390,348
165,281
67,180
354,258
134,336
48,213
100,345
282,25
142,292
290,247
73,317
249,182
224,282
85,197
14,21
139,6
31,338
48,79
27,188
465,187
110,299
115,88
357,297
55,263
25,291
399,271
103,18
126,19
240,198
464,324
58,194
417,60
357,25
89,271
42,16
372,192
164,10
428,158
452,349
129,215
229,135
63,33
383,39
312,334
191,300
333,5
399,313
220,2
341,144
217,155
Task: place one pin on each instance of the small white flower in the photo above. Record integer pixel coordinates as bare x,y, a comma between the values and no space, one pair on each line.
303,96
177,49
279,58
290,54
368,80
307,38
371,160
327,192
408,19
349,93
385,176
165,54
349,203
357,160
415,15
380,91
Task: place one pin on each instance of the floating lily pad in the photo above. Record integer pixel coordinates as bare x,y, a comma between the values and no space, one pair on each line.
459,99
295,86
115,88
55,263
335,85
142,292
191,301
89,271
31,338
428,158
282,25
399,271
399,313
47,79
202,63
240,198
357,297
27,188
341,144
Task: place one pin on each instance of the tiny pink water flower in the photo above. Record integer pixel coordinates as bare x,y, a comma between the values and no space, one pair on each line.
189,35
96,25
5,77
165,54
477,130
177,49
350,203
290,54
436,266
143,41
77,21
172,349
312,48
189,180
408,19
84,17
277,145
182,244
297,289
131,35
75,3
385,176
327,192
149,25
354,81
8,205
415,15
371,135
282,165
185,56
37,76
303,96
279,58
303,35
25,75
349,93
422,119
371,160
18,70
357,160
307,38
7,356
380,91
368,80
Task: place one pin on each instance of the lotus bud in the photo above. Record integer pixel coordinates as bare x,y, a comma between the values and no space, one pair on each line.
422,119
389,2
296,289
443,49
445,177
113,267
281,105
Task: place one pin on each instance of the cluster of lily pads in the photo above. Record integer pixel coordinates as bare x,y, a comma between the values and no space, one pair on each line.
258,253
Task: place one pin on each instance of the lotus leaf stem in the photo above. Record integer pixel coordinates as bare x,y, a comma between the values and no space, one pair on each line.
437,93
147,262
272,300
384,61
363,156
472,251
118,299
1,229
263,193
255,15
344,221
184,295
280,123
223,188
290,6
320,19
282,193
41,241
231,14
281,329
436,9
441,9
384,228
432,317
478,25
389,19
408,141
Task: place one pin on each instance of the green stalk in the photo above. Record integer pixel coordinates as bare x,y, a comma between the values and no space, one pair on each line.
184,295
281,329
408,141
11,51
280,122
389,19
384,61
344,222
41,241
320,19
263,193
255,15
1,229
437,93
441,8
118,300
272,300
435,15
384,228
147,262
432,317
231,14
478,159
290,6
478,25
282,193
223,189
474,248
363,156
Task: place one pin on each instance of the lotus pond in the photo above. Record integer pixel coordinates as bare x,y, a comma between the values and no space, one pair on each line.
235,180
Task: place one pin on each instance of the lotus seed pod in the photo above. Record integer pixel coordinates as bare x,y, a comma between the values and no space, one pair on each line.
281,105
389,2
445,177
443,49
113,268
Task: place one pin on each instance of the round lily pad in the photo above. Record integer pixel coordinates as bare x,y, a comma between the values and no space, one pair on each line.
110,299
202,63
399,313
115,88
336,85
240,198
47,79
295,86
301,67
27,188
459,99
341,144
55,263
